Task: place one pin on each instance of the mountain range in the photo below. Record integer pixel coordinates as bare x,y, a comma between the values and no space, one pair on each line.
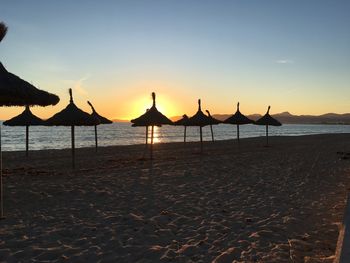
288,118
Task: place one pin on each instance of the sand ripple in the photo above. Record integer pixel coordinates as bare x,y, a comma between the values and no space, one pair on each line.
256,204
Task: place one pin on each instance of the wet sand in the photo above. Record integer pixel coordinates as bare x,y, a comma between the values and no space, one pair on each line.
282,203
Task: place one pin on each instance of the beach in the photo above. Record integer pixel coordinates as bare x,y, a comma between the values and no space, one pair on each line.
233,203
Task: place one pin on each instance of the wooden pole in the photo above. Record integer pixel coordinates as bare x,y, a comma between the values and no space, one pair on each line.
73,147
146,135
27,140
212,134
267,135
96,144
152,130
238,133
200,132
1,187
185,134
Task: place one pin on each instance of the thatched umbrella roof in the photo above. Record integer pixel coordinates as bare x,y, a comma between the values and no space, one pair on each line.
238,118
101,119
139,124
213,121
72,116
199,119
26,118
94,114
3,30
15,91
182,121
152,117
268,120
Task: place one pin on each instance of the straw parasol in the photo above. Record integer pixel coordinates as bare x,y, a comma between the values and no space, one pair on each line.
15,91
182,122
213,122
152,118
18,92
72,116
239,119
200,120
26,118
3,30
267,120
146,130
102,120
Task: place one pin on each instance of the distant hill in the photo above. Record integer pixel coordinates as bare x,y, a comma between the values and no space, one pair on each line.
288,118
118,120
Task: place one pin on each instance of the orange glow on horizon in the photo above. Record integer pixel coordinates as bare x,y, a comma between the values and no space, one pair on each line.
174,100
139,106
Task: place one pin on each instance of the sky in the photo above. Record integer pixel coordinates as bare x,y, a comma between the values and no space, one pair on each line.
293,55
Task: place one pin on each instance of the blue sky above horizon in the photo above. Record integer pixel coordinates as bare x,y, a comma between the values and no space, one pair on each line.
292,55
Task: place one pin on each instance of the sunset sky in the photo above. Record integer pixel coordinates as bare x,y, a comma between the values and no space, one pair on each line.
293,55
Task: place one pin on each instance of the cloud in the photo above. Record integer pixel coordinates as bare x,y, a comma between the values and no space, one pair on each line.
77,85
285,61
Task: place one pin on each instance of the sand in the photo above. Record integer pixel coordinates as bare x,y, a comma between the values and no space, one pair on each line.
282,203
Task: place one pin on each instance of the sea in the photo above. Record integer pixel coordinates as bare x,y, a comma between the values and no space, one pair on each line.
42,137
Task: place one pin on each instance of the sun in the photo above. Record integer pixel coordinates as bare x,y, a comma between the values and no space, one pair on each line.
163,104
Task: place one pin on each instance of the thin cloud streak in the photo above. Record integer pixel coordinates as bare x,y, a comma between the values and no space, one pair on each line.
285,61
78,85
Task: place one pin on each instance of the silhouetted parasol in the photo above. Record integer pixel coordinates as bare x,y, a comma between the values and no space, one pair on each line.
72,116
146,130
182,122
267,120
17,92
26,118
3,30
200,120
101,119
152,118
213,122
239,119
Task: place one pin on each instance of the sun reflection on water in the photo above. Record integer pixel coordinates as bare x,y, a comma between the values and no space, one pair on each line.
156,134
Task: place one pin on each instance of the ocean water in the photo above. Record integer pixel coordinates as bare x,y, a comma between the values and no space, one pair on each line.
40,137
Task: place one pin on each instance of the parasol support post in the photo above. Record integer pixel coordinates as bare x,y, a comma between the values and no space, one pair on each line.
27,140
151,153
152,130
185,134
73,147
212,133
1,187
201,136
96,144
238,133
146,135
267,135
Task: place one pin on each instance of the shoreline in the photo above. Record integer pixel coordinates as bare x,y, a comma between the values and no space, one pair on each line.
249,203
191,143
119,134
